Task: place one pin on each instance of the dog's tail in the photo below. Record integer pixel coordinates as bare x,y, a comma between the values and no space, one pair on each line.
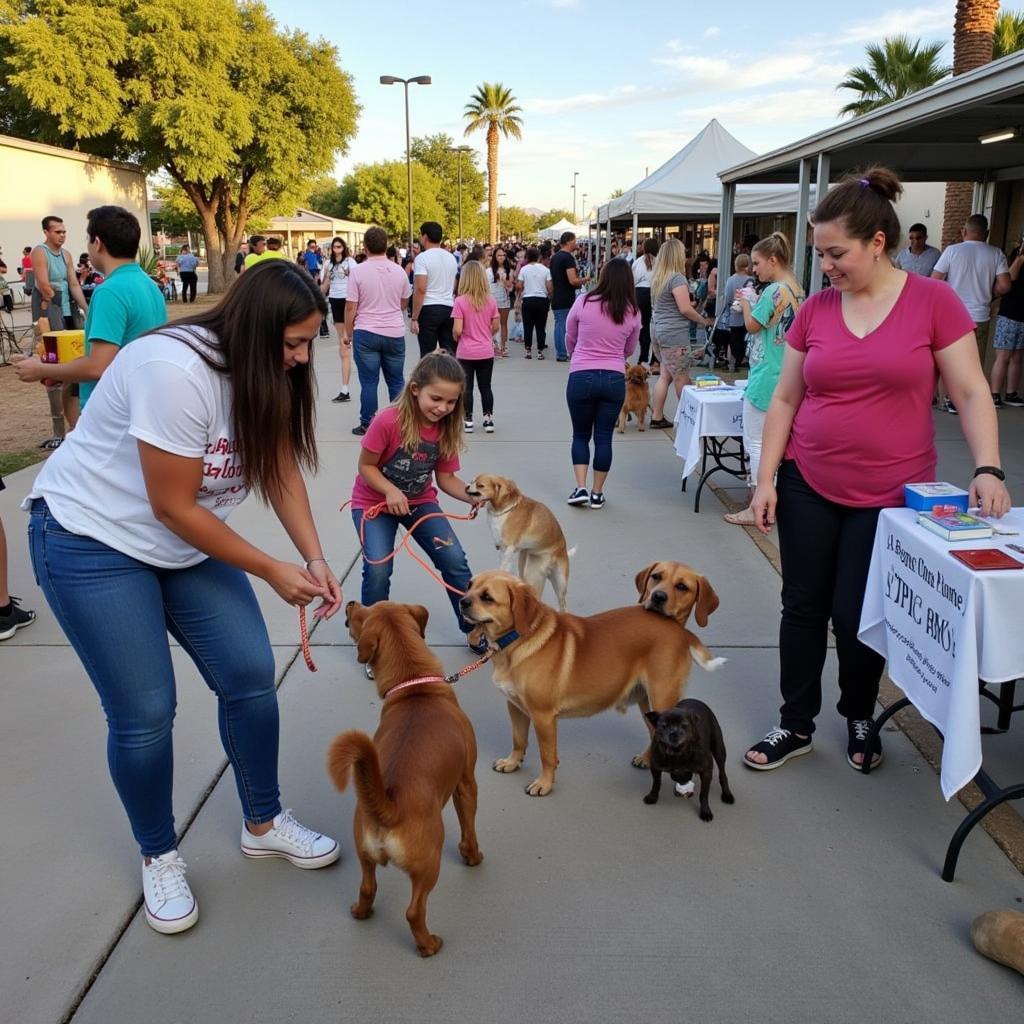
355,750
572,550
704,657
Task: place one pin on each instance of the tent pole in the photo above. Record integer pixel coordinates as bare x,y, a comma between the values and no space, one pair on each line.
636,227
821,187
725,224
803,208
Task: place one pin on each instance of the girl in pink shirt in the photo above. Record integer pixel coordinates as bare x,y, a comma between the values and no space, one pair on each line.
849,423
475,316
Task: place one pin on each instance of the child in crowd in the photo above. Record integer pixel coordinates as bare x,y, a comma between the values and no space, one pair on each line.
417,438
475,315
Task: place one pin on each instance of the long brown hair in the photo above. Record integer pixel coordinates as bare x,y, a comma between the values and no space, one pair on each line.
436,366
272,409
650,251
615,290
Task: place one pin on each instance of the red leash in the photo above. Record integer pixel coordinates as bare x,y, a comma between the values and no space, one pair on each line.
304,639
451,680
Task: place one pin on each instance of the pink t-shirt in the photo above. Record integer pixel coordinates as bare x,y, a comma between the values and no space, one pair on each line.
476,340
864,427
411,472
380,289
595,341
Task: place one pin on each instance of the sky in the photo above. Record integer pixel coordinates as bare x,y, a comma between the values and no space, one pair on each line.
608,89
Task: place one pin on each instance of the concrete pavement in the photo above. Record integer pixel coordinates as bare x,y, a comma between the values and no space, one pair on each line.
816,897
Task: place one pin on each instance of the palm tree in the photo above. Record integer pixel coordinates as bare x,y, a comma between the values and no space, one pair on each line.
1009,34
896,68
494,108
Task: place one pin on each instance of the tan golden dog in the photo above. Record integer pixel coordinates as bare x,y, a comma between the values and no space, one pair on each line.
422,755
551,664
638,397
675,590
525,528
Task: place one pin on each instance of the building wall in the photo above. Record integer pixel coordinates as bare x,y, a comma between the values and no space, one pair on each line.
41,180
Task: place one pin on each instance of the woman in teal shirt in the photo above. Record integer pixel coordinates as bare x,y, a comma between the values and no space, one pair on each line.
767,320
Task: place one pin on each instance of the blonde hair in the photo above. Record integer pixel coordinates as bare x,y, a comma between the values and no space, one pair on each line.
473,284
671,260
436,366
777,245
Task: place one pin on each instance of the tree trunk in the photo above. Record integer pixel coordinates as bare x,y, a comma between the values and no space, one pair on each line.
492,182
973,35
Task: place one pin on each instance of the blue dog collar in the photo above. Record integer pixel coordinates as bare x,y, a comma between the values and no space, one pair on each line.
508,638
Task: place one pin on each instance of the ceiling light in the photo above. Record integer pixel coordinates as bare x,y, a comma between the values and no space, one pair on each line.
1002,136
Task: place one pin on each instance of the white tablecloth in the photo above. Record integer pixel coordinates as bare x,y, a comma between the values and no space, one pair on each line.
942,627
706,412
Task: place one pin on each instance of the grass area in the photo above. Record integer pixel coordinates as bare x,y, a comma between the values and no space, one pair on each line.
11,462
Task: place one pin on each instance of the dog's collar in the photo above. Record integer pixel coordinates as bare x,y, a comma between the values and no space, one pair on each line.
506,638
505,511
420,681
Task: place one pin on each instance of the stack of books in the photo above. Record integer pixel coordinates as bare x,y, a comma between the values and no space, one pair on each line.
952,524
705,381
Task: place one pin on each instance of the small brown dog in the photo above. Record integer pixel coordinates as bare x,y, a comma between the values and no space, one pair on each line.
674,590
422,755
525,528
638,397
552,664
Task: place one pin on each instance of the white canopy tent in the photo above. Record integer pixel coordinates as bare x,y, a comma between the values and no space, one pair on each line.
554,231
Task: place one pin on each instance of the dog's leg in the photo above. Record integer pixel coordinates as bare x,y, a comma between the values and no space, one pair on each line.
652,797
718,753
558,574
641,419
520,736
423,879
508,559
464,799
363,907
546,728
622,421
705,789
535,572
644,760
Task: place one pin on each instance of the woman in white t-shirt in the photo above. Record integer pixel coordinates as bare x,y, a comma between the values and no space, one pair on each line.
534,282
335,286
129,542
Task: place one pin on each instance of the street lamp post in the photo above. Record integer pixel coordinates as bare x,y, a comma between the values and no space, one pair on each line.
575,175
418,80
460,150
583,206
500,194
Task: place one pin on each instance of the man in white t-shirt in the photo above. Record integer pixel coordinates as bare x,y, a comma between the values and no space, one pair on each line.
978,273
434,272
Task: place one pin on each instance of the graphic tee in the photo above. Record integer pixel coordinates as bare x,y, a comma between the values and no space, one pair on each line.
158,390
410,471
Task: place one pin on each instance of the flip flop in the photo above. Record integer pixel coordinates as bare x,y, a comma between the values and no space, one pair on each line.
743,518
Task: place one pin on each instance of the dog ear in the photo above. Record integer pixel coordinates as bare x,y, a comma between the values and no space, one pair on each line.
420,614
499,489
641,581
366,648
524,606
707,601
652,717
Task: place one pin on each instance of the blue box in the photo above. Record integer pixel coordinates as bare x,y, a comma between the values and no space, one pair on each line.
924,497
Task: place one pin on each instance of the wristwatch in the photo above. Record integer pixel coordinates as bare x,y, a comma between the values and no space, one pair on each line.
993,470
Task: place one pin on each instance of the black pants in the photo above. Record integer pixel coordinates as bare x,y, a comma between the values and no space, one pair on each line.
826,552
643,300
535,318
738,344
436,329
481,369
189,284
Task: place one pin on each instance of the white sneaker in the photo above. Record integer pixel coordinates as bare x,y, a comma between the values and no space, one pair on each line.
467,426
488,425
170,905
289,839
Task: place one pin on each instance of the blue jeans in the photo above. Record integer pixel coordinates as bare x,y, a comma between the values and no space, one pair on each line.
560,316
373,353
436,537
116,612
595,399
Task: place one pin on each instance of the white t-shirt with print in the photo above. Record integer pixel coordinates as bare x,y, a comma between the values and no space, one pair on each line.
971,268
338,275
439,267
534,276
160,391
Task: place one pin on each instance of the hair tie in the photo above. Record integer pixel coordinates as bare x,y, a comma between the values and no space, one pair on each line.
864,183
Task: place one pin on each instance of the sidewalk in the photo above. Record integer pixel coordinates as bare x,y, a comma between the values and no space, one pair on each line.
816,897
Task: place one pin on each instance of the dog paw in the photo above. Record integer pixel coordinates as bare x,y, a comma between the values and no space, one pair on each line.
539,788
471,855
641,761
431,947
506,765
650,799
360,913
705,814
728,798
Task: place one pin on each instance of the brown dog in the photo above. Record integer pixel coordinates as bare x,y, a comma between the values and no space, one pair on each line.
638,397
524,527
550,664
674,590
422,755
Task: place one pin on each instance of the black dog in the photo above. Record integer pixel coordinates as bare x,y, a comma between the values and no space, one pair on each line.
687,739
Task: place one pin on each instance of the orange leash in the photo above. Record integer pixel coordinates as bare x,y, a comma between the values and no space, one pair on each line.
304,639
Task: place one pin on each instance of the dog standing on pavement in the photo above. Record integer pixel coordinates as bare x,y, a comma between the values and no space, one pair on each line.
638,397
688,741
525,532
422,755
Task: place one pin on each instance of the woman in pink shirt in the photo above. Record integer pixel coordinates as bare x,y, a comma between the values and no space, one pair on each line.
849,423
475,319
601,332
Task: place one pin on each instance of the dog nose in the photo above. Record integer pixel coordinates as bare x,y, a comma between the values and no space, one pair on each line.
465,602
659,597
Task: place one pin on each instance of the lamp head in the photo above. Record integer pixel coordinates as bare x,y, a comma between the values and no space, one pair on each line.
420,80
388,79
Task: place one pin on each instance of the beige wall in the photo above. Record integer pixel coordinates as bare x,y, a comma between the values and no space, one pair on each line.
41,180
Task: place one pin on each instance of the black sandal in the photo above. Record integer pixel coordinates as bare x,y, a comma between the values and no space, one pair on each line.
778,747
662,424
857,730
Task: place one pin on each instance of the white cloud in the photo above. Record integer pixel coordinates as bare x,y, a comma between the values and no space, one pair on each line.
718,74
625,95
711,31
912,21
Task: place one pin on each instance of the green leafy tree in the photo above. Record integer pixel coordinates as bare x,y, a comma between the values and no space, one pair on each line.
493,109
435,152
376,193
516,221
326,197
896,68
227,104
616,192
1009,34
177,214
552,217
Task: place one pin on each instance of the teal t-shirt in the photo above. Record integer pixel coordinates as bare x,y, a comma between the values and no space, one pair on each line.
125,306
769,345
